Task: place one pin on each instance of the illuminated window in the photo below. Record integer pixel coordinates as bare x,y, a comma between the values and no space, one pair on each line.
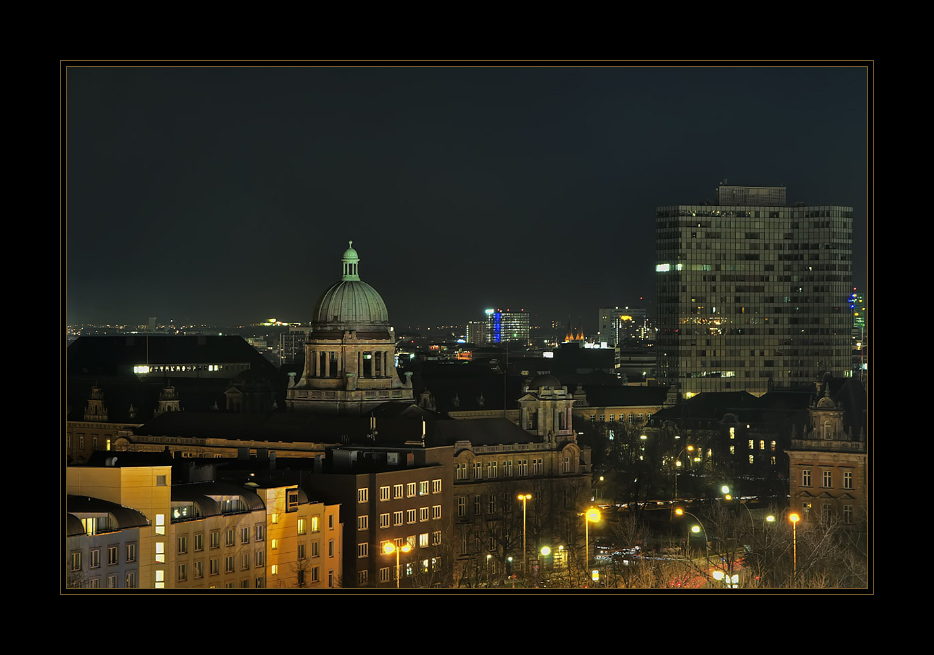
301,526
160,552
160,523
274,544
423,487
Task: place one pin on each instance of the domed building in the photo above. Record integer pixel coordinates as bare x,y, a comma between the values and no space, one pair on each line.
349,351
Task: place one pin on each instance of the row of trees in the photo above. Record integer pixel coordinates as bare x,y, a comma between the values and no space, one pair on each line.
737,547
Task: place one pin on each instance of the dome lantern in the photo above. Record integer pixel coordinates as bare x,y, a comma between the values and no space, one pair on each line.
351,264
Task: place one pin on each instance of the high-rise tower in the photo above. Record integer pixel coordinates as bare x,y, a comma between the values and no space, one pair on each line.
752,294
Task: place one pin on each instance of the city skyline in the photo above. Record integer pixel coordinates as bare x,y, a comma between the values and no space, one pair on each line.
225,194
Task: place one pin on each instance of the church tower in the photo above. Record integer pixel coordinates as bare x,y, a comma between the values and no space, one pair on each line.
349,351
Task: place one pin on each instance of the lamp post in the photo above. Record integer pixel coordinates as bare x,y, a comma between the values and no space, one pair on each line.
592,514
391,548
695,529
678,465
794,518
524,498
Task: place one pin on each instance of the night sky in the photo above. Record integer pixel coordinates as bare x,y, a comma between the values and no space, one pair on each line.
225,195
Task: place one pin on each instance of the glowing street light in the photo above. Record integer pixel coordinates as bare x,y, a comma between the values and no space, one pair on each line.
391,548
695,529
591,515
794,518
524,498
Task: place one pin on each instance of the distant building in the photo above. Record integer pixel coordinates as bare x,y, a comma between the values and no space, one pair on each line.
477,333
349,352
292,345
617,325
752,294
117,383
508,326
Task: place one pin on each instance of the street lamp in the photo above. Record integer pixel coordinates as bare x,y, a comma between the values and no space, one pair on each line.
695,529
592,514
678,465
524,498
794,518
391,548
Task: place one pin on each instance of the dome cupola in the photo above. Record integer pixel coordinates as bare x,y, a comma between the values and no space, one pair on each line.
350,304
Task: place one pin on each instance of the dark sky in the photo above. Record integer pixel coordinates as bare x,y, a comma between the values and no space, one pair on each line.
226,194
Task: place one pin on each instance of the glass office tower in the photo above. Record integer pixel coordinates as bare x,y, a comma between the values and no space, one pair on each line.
505,326
752,294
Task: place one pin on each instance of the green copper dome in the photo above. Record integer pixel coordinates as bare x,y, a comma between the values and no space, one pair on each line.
350,304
